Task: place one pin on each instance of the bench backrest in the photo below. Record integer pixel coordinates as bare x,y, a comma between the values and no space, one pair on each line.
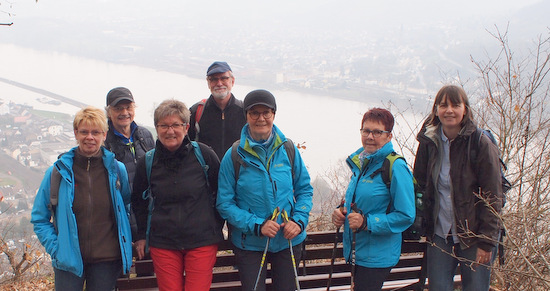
317,255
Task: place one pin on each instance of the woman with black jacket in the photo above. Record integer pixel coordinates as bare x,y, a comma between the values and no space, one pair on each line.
184,228
462,197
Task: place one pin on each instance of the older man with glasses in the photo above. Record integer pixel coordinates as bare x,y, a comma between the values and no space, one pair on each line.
218,120
125,138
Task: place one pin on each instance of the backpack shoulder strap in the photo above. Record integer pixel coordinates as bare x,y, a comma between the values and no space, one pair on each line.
291,153
473,145
387,168
147,194
198,115
55,181
200,158
236,159
149,155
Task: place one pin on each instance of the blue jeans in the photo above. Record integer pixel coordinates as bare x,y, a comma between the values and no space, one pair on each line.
98,277
282,270
442,266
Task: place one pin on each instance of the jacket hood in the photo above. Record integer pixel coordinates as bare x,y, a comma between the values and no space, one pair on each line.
433,132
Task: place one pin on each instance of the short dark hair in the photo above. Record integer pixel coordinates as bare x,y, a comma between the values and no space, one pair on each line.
379,115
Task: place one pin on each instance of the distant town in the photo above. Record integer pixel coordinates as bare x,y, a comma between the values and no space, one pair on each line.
33,140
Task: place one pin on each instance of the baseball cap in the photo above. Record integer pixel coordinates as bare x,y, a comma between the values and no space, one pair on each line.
118,94
259,97
217,67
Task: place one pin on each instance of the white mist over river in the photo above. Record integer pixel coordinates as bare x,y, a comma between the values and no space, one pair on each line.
328,126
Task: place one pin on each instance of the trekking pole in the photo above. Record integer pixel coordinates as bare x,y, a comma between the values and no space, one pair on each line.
354,208
285,219
273,218
329,282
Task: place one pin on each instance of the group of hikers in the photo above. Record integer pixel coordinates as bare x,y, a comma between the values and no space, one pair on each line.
225,161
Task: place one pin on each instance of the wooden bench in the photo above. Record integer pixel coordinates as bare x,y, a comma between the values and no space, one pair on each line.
408,274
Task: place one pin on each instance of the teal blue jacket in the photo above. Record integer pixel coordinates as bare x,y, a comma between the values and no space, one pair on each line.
265,182
379,246
63,246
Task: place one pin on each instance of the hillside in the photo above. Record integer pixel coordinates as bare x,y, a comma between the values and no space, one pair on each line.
25,177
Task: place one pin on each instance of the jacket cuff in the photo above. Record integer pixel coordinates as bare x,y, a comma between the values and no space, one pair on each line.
258,228
300,223
485,246
364,225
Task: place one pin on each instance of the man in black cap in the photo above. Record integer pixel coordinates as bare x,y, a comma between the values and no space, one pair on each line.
125,138
218,120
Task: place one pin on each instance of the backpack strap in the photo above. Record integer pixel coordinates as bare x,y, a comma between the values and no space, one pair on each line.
387,167
291,153
198,115
200,158
148,195
55,181
238,160
473,146
386,171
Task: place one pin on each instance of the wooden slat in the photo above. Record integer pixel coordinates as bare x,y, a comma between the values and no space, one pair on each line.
317,254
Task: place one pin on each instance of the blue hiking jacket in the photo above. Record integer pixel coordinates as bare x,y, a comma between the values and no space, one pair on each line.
379,246
263,185
63,246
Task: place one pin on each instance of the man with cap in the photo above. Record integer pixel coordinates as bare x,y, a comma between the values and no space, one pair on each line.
268,184
217,121
125,138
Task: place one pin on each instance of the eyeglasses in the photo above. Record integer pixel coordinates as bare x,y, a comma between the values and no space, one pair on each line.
122,108
375,133
94,133
256,114
175,126
216,79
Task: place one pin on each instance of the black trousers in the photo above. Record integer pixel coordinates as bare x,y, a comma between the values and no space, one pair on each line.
282,270
370,279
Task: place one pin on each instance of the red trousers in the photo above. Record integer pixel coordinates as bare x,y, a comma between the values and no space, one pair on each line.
179,270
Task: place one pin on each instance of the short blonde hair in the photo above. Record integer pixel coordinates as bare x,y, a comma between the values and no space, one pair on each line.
91,116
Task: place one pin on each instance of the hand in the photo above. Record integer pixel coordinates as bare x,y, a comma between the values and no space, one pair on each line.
355,220
140,248
483,257
291,229
339,216
270,228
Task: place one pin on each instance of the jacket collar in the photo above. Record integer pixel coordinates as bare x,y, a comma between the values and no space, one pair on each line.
375,157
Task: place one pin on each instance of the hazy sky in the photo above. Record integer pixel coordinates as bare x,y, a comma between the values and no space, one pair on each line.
240,12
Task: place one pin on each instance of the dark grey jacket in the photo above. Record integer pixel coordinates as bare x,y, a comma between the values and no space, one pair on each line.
143,141
475,220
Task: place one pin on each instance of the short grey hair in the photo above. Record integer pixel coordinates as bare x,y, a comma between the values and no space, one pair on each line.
172,107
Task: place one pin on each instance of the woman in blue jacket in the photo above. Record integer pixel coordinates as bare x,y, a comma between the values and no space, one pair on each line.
373,215
89,240
267,180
